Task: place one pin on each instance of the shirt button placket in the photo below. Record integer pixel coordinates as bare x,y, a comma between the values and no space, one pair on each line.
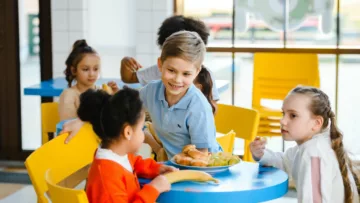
166,119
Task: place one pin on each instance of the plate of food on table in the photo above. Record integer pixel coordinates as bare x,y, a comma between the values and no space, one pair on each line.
191,158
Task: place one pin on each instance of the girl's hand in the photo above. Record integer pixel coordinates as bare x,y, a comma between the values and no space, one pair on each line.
160,183
114,87
71,127
257,147
166,169
130,64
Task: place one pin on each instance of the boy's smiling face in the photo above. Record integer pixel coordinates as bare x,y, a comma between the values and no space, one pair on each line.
177,75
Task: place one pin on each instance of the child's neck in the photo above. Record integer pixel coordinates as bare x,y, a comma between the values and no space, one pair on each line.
307,138
173,99
82,88
118,148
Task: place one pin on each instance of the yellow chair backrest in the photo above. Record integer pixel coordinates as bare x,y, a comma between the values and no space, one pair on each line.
275,74
59,194
243,121
49,119
227,141
71,157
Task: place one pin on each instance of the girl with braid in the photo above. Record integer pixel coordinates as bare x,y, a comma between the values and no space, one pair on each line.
318,164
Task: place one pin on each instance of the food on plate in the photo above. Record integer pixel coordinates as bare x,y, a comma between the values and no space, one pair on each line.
190,156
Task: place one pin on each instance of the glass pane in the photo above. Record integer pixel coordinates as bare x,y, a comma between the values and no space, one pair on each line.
29,73
254,27
244,67
312,23
349,99
220,65
308,23
217,15
350,23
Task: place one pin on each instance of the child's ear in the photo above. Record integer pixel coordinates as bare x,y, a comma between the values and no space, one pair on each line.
159,63
128,131
73,70
318,123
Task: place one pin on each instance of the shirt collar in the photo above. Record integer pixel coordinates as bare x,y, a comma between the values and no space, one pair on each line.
102,153
184,101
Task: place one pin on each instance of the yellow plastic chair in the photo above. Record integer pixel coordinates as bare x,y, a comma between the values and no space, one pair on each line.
64,158
244,122
227,141
59,194
275,74
49,119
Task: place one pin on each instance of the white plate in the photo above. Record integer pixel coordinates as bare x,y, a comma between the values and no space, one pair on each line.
213,169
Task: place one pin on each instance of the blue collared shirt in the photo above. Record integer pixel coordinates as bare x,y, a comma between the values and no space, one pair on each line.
190,121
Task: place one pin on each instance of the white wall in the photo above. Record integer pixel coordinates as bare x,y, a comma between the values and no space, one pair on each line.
150,14
112,32
115,28
69,23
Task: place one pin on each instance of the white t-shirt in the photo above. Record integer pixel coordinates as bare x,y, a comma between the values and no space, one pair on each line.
146,75
313,165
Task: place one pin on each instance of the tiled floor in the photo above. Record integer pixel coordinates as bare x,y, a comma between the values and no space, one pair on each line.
25,194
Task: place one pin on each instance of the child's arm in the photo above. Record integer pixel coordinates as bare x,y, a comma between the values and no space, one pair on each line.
315,180
279,160
108,183
147,168
67,108
118,192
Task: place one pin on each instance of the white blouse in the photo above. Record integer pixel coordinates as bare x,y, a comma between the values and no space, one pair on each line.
314,168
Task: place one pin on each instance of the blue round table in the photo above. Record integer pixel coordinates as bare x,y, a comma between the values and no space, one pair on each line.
244,182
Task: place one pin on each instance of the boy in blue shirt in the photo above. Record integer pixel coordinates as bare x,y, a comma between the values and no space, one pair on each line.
180,113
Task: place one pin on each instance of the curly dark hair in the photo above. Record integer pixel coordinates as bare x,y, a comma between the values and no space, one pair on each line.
179,22
109,114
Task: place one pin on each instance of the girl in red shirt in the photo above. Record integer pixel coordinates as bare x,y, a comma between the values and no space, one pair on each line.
118,120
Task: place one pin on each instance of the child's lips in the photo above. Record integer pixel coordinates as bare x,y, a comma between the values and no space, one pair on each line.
284,131
175,86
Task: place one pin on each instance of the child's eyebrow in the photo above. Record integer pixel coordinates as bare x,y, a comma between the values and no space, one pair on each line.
291,110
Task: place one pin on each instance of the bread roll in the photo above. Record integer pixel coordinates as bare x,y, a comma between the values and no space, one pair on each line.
187,148
182,159
196,154
198,162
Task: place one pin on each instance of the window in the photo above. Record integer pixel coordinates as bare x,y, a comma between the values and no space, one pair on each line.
329,28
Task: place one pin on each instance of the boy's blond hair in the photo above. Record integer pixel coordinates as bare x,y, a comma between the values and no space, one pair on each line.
186,45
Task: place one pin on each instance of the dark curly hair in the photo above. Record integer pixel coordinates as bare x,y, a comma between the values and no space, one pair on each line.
178,23
80,48
108,114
